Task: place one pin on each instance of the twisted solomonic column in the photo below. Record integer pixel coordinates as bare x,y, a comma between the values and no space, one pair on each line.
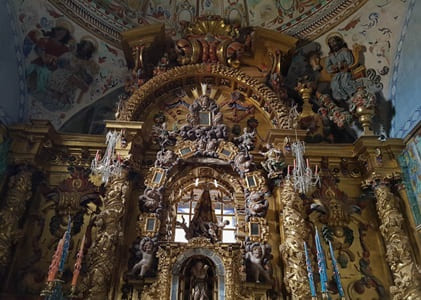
406,277
292,248
18,193
102,256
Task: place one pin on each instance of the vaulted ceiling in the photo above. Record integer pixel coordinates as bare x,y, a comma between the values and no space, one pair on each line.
375,24
304,19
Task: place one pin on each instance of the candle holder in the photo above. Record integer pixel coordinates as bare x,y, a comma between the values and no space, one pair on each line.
48,290
363,103
305,88
73,293
364,116
53,290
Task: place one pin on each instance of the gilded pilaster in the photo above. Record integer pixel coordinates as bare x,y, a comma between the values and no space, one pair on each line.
102,256
292,249
416,236
18,193
406,277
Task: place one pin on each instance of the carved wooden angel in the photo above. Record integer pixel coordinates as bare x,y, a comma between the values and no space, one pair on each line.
146,252
257,257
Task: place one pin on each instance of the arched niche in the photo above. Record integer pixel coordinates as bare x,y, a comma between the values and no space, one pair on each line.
217,262
185,189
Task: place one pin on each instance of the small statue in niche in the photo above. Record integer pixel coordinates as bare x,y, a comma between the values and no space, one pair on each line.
151,200
338,62
275,161
199,281
257,259
146,251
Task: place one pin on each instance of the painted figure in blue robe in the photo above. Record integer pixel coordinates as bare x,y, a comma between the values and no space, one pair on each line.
340,58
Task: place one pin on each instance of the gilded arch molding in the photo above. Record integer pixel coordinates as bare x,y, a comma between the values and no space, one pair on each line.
263,97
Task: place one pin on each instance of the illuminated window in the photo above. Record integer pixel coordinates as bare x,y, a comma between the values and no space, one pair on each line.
224,211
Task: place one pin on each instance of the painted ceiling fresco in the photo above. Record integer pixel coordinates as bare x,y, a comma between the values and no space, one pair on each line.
305,19
82,62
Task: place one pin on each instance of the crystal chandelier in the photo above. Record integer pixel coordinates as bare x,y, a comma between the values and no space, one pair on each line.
302,176
110,164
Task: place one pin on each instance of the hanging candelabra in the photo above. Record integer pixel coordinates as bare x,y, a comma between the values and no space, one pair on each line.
302,175
110,164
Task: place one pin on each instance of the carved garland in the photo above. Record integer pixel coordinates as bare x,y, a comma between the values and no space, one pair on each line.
264,97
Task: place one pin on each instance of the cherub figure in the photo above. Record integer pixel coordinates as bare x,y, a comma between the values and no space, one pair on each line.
256,204
246,140
275,161
257,262
146,250
165,158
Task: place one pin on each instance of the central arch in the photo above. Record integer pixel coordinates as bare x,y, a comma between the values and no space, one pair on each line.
262,96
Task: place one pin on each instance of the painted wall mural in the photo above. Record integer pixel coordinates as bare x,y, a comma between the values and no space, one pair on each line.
410,161
72,62
376,26
67,68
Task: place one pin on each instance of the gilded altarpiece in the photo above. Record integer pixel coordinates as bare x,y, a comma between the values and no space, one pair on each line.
206,205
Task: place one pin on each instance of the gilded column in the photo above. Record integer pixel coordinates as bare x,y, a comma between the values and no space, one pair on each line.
102,256
292,248
18,193
406,277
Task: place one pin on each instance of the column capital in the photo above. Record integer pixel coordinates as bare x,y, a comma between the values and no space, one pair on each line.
375,180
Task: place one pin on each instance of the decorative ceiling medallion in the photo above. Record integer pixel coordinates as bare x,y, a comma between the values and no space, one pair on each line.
107,21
